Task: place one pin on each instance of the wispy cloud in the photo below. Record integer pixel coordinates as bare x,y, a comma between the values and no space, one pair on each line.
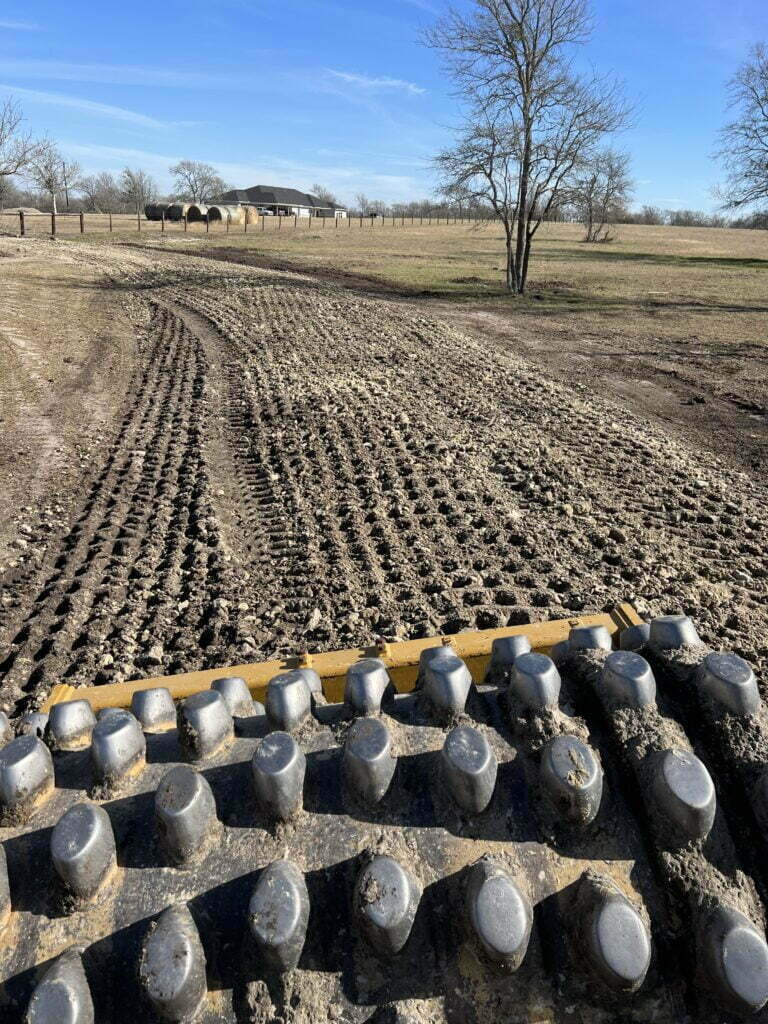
104,110
376,84
18,26
423,5
117,74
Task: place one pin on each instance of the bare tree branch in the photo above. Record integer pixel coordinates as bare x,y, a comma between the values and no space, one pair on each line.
16,147
744,140
137,188
45,170
196,182
601,190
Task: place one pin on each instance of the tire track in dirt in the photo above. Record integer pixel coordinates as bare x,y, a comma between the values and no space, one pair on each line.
143,546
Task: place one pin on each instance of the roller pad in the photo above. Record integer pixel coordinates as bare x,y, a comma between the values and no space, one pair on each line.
669,632
500,914
368,763
505,650
185,812
613,935
367,683
447,683
560,652
205,725
83,849
734,958
172,968
155,709
469,768
572,778
26,778
386,898
278,914
730,681
589,638
633,638
628,680
62,995
118,747
685,796
34,723
428,655
236,696
70,725
278,767
535,682
289,700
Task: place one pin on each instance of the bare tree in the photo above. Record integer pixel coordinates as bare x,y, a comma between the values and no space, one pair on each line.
100,192
601,190
363,204
324,195
45,170
744,140
70,172
16,147
10,195
651,215
137,188
530,120
196,182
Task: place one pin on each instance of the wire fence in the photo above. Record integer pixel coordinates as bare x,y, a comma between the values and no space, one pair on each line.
22,224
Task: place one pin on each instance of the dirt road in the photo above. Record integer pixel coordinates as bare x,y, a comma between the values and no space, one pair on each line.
290,466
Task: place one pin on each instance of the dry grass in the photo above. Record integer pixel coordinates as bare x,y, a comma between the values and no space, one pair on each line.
680,283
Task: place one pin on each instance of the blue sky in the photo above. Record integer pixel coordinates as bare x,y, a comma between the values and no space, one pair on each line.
342,94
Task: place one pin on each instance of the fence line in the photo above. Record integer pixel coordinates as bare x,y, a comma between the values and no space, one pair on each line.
96,223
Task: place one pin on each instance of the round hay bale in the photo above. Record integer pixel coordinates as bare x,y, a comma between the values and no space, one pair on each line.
196,212
155,211
251,215
176,211
231,214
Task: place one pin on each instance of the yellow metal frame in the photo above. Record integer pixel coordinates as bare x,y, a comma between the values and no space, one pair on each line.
402,660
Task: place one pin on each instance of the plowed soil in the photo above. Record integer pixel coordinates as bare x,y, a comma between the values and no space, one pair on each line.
228,463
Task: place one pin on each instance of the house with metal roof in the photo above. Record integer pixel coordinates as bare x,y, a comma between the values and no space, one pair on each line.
284,201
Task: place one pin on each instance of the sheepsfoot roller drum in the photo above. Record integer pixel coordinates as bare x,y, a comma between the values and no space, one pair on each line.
551,825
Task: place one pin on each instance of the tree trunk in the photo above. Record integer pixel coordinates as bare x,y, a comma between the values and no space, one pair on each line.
510,268
526,257
53,201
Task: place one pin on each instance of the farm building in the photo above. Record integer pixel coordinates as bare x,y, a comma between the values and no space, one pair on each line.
284,201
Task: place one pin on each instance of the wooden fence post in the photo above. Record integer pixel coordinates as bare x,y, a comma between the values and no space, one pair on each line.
110,222
22,225
53,224
295,221
207,223
263,222
82,223
279,221
228,220
138,220
162,221
185,222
